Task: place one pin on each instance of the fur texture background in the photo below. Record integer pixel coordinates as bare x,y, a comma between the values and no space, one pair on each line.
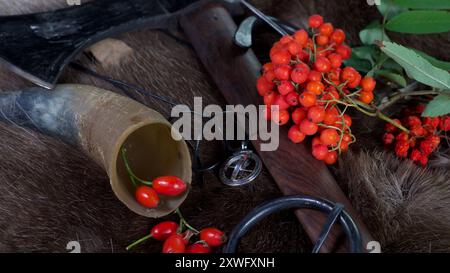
51,194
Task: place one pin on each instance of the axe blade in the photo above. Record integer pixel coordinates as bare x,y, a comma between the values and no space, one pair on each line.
39,46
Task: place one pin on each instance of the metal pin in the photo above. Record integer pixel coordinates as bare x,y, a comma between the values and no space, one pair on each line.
265,18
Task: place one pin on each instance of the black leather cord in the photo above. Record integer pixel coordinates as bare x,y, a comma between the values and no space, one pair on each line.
297,202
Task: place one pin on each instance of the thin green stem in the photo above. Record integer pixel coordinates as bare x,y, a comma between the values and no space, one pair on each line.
137,242
183,221
133,177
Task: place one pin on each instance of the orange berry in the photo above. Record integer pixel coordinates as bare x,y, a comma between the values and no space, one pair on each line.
314,76
338,36
295,135
281,57
308,128
315,21
280,117
319,151
315,87
298,115
322,40
329,137
368,84
307,99
331,157
326,29
366,97
301,37
316,114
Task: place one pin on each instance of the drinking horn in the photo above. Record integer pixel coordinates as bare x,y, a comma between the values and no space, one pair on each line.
100,123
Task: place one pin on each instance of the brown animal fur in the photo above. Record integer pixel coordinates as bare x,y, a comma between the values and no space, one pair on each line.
44,202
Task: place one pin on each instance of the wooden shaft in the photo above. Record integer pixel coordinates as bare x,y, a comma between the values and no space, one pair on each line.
235,70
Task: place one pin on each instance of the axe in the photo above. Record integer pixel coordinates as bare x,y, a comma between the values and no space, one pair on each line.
39,46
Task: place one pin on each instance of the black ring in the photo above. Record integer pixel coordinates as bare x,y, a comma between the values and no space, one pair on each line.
299,202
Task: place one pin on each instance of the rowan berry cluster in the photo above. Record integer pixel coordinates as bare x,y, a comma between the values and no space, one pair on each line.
307,81
422,135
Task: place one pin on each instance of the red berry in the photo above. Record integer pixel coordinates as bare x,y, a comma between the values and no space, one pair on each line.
344,51
444,125
315,21
147,197
286,39
164,230
388,138
329,137
417,131
366,97
326,29
212,236
283,72
322,64
292,99
314,76
294,48
415,155
307,99
301,37
270,98
403,136
295,135
300,73
433,122
281,57
198,247
174,244
281,102
331,116
308,128
368,84
298,115
347,120
316,141
331,158
412,121
315,87
316,114
391,128
264,86
349,74
423,160
401,148
338,36
335,60
322,40
280,117
319,151
285,87
269,75
169,185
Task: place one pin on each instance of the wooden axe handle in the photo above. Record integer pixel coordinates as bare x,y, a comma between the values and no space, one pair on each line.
235,70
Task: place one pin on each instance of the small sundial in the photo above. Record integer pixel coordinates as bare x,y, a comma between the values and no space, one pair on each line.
241,168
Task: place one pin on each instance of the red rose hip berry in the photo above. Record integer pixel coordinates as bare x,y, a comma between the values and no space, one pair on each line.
147,197
212,236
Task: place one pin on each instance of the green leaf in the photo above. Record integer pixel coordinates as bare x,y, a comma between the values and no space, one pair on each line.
416,66
392,76
420,22
366,53
423,4
389,9
390,64
373,32
438,63
439,106
359,64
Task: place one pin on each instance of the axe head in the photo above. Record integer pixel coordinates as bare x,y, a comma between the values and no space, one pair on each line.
39,46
